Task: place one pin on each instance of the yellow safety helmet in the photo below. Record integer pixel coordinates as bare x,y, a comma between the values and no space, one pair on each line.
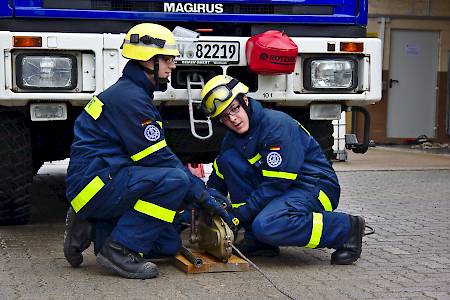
219,92
146,40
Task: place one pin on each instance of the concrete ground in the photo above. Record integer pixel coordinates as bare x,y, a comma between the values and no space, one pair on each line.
404,195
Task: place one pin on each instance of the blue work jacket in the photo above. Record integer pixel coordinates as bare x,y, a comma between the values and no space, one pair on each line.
284,156
118,128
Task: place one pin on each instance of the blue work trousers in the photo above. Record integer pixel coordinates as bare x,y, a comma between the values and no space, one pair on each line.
287,220
114,212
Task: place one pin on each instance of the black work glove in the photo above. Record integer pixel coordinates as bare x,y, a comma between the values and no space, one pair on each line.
219,197
235,217
212,207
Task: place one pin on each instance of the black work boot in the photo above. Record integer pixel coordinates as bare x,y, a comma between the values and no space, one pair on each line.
125,262
351,250
78,235
253,248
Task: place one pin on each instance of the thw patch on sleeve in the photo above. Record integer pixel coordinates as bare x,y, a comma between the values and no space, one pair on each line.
152,133
274,159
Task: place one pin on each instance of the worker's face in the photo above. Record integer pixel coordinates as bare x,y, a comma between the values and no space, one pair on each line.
235,117
166,65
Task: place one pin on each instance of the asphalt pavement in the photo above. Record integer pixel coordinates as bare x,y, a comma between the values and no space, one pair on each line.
404,195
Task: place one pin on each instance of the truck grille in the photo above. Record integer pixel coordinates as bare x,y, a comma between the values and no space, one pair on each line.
228,8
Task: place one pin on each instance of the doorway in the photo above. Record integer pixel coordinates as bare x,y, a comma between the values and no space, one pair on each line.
411,109
448,96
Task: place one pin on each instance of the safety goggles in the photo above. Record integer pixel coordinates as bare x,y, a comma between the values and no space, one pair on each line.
168,59
147,40
218,95
224,116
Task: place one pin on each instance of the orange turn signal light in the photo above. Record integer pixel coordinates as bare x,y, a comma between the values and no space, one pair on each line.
352,47
27,41
204,30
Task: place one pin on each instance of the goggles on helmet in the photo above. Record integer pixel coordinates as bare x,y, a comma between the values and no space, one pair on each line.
218,95
147,40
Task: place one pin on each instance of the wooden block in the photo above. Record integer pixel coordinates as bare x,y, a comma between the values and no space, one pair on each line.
210,264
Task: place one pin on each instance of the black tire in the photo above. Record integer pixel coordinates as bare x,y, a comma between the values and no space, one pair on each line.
322,131
15,168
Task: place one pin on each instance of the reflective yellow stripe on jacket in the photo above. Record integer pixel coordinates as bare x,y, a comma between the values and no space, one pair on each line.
155,211
94,108
254,159
87,193
216,169
279,174
306,130
147,151
316,232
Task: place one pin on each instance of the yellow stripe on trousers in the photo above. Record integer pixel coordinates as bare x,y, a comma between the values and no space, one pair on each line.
87,193
316,232
154,211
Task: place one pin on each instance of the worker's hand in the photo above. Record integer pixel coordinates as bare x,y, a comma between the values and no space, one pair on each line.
211,206
222,199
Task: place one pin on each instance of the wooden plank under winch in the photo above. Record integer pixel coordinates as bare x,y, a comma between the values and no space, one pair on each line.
210,264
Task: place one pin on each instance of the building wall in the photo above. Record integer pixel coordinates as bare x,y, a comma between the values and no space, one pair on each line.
430,15
409,8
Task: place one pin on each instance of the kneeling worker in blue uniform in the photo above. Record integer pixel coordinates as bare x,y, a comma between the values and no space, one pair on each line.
283,189
124,183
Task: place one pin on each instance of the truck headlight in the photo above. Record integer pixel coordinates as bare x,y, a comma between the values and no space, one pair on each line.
330,74
46,71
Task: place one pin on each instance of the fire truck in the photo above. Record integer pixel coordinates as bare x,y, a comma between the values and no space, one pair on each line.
56,55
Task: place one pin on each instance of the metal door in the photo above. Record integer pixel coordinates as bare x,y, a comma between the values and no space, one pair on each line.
448,95
412,84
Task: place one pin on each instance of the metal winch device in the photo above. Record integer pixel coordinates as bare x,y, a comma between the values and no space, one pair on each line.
215,237
212,235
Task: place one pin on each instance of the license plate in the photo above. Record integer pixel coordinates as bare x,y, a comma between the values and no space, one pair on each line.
208,52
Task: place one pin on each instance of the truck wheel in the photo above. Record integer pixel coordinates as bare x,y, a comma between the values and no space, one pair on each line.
15,168
322,131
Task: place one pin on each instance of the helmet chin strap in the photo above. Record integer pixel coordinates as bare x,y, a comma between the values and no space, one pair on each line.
157,78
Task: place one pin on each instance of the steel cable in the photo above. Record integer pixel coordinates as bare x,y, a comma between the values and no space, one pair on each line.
263,274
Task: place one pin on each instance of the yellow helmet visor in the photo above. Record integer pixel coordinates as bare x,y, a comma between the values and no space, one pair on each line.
219,96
